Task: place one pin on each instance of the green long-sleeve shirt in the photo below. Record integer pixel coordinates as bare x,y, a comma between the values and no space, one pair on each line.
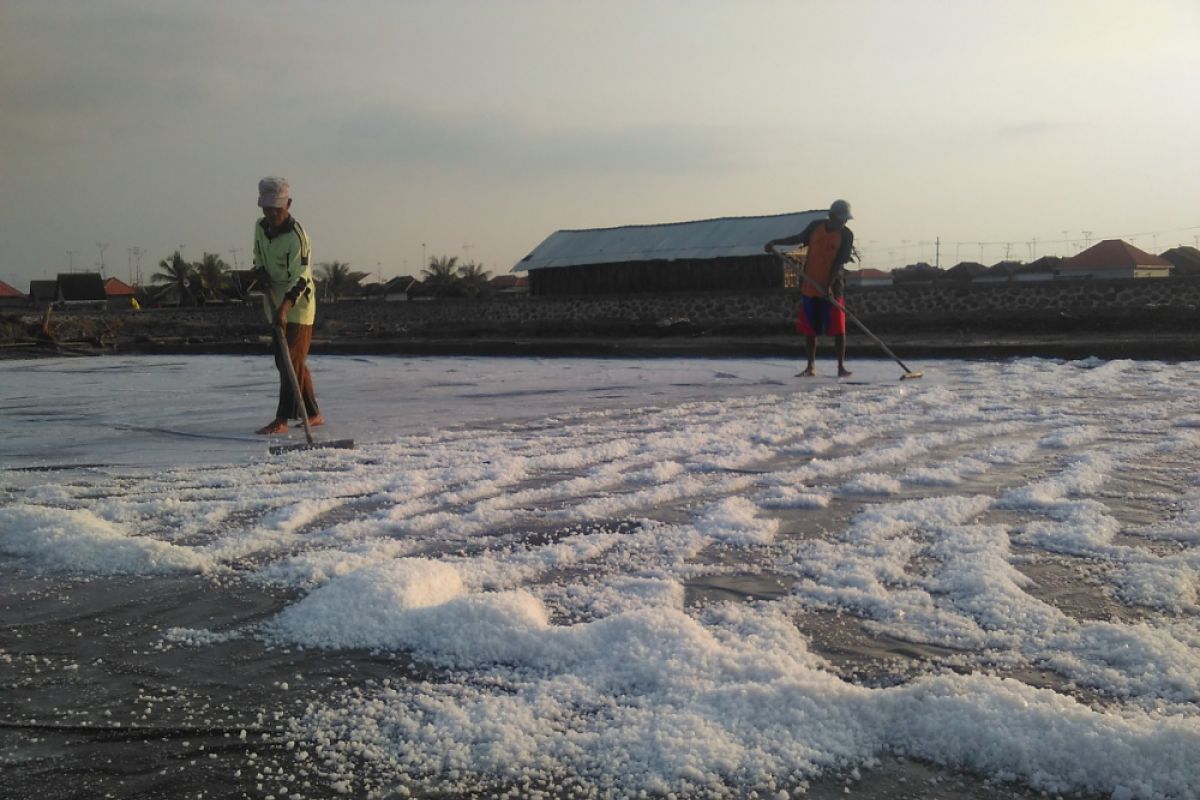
286,258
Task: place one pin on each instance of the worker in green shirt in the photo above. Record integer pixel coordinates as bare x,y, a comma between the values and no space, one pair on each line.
283,260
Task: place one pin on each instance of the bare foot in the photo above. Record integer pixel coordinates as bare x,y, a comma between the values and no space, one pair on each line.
313,422
844,373
807,373
275,426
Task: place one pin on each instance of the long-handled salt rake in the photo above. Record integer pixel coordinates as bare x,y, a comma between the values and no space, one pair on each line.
908,373
281,343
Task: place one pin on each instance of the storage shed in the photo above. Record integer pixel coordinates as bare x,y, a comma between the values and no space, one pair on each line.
705,255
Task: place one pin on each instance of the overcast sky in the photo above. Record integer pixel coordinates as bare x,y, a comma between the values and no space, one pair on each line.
476,129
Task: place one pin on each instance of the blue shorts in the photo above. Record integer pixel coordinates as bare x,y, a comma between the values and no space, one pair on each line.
819,317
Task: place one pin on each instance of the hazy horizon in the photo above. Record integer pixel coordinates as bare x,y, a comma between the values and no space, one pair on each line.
471,129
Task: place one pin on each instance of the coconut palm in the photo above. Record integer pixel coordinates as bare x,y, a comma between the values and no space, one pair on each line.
339,279
178,274
213,273
441,276
473,278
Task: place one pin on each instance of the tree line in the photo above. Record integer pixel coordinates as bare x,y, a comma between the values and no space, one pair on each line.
212,279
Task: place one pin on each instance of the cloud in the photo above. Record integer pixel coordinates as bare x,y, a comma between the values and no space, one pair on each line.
497,145
73,73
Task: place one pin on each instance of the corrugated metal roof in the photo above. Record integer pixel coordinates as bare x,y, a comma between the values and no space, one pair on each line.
710,238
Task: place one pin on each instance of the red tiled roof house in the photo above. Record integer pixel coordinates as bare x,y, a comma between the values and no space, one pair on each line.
1113,258
11,298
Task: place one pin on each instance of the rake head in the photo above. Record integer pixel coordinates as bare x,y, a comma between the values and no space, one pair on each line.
340,444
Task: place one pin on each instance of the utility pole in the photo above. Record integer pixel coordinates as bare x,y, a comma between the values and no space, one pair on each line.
937,252
1087,239
102,246
129,252
424,262
70,261
233,252
137,254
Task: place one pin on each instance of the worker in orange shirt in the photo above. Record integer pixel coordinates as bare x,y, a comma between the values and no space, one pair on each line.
829,246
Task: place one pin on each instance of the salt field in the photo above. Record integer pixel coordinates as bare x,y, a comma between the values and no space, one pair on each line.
601,578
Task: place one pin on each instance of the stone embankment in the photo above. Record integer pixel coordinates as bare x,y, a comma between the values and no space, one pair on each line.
1137,318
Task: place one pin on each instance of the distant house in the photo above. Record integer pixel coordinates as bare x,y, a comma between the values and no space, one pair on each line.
43,293
509,284
1000,272
81,289
1114,258
917,273
868,277
11,298
120,294
70,289
966,272
1015,272
115,287
1042,269
705,255
1185,260
399,289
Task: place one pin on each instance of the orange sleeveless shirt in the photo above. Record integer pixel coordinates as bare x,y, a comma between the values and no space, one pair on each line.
823,246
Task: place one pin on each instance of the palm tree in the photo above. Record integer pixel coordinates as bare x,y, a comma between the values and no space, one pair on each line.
178,273
339,279
441,276
213,272
473,277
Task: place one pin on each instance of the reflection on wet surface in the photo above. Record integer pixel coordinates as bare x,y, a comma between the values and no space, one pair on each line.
95,695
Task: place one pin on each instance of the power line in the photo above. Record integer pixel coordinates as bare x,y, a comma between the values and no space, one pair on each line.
1085,240
1068,240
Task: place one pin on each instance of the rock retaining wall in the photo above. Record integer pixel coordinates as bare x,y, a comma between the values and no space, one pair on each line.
1092,295
932,305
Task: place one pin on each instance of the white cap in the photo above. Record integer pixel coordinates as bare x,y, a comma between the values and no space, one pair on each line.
840,210
273,193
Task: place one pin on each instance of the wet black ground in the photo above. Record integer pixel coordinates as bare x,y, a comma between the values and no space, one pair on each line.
95,700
